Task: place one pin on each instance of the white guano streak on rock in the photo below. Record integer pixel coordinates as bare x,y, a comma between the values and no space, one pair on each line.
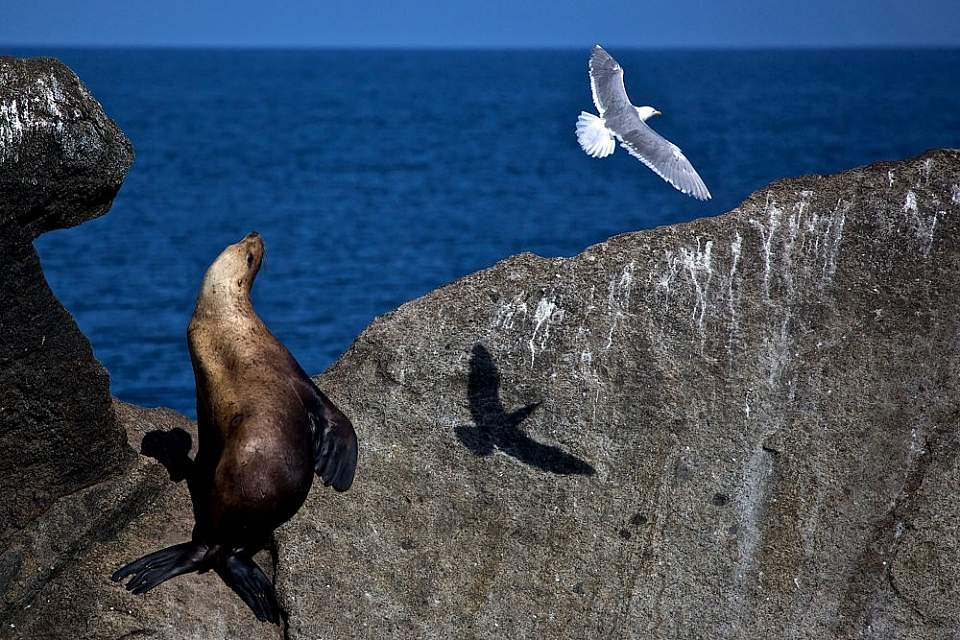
732,303
584,369
665,279
735,246
545,314
582,366
794,220
910,204
832,236
816,260
11,130
767,233
806,221
778,349
925,170
20,115
922,227
53,95
618,299
955,195
507,312
750,501
697,264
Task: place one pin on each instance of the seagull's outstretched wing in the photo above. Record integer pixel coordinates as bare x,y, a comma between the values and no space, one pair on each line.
606,84
663,157
620,116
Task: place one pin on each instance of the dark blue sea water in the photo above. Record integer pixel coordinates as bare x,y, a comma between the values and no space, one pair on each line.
375,176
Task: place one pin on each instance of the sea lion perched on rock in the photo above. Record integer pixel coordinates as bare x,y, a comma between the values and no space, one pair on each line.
264,430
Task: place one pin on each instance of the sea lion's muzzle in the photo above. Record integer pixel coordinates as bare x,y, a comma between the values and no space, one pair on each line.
253,242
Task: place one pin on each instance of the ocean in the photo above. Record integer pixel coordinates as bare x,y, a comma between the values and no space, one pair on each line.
376,176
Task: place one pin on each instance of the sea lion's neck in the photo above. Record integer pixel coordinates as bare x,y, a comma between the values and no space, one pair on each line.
220,299
215,338
228,309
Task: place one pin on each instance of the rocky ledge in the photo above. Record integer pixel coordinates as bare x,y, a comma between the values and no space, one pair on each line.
741,427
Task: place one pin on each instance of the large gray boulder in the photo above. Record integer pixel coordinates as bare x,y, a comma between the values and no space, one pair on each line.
741,427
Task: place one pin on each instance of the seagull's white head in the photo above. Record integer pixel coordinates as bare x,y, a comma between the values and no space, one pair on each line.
646,113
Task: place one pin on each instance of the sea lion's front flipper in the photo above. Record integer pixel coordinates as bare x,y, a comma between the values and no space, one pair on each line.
242,574
159,566
334,443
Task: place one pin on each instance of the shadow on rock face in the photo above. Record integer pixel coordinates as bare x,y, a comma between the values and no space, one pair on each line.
171,449
494,428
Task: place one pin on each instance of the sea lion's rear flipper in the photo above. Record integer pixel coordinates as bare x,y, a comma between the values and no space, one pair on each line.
334,444
242,574
159,566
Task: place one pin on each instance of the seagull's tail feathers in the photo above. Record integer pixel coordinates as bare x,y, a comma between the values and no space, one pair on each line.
594,137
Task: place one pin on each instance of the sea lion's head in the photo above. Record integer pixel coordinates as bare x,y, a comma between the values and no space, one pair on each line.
231,275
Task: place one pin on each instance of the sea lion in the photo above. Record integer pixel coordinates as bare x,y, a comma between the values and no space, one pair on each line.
264,430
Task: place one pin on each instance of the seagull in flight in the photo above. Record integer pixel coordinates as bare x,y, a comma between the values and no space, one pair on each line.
621,120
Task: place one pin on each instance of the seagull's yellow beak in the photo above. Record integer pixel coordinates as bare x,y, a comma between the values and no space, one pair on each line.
656,113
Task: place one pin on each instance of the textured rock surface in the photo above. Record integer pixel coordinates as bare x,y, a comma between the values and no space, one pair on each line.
747,428
61,162
62,159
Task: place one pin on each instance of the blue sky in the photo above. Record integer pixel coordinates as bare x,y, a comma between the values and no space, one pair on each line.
491,23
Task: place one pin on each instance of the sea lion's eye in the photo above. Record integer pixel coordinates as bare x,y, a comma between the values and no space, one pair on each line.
249,259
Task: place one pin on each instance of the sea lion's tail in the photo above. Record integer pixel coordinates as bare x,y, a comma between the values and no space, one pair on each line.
249,582
160,566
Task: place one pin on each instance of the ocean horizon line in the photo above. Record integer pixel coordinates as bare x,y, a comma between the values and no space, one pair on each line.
471,47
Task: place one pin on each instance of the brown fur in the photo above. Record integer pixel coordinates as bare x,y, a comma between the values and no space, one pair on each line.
265,429
255,439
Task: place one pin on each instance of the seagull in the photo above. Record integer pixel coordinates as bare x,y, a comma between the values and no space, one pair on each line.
621,120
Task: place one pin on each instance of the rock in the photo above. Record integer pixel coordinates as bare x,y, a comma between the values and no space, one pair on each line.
61,161
741,427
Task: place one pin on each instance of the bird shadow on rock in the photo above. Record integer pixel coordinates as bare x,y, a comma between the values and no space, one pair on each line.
495,428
